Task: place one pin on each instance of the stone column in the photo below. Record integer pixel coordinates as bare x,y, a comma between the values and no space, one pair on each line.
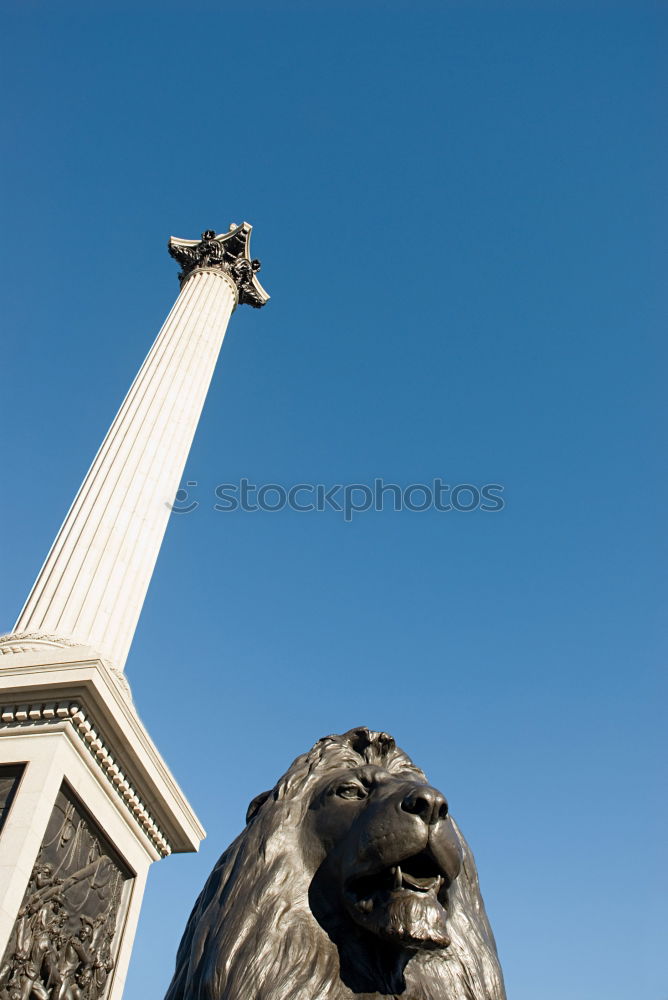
86,801
92,586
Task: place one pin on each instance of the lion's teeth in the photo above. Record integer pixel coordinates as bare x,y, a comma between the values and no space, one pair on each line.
398,878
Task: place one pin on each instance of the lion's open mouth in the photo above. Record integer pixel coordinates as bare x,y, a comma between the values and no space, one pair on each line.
418,873
405,902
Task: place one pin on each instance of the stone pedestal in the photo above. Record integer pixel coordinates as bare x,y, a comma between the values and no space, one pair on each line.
91,806
86,802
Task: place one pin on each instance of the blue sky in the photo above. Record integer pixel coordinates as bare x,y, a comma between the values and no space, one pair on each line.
461,214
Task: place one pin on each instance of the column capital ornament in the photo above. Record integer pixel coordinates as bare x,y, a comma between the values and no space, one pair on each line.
228,252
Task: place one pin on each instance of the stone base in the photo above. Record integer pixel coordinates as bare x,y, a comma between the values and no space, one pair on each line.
90,766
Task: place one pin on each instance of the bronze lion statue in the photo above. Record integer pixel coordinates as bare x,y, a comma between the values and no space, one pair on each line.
350,882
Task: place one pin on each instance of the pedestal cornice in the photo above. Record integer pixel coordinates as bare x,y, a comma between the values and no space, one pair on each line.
41,693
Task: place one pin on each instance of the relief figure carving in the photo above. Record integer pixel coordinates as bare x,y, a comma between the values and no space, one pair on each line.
62,944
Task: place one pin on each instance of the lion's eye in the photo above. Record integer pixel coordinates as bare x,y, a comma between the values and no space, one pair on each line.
351,791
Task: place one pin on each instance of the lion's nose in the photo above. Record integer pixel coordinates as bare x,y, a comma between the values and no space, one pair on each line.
425,802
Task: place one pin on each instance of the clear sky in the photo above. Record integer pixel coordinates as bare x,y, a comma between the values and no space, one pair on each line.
461,214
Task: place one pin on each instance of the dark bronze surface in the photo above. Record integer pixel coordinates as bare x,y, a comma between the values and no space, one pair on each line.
226,252
350,880
62,946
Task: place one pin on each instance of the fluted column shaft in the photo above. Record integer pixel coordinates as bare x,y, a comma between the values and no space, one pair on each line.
93,583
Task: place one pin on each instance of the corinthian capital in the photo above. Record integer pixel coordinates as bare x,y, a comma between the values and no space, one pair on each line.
228,252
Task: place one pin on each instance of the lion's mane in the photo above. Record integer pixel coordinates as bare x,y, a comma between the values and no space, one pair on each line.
252,936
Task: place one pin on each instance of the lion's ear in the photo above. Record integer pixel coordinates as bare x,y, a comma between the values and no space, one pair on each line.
256,804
